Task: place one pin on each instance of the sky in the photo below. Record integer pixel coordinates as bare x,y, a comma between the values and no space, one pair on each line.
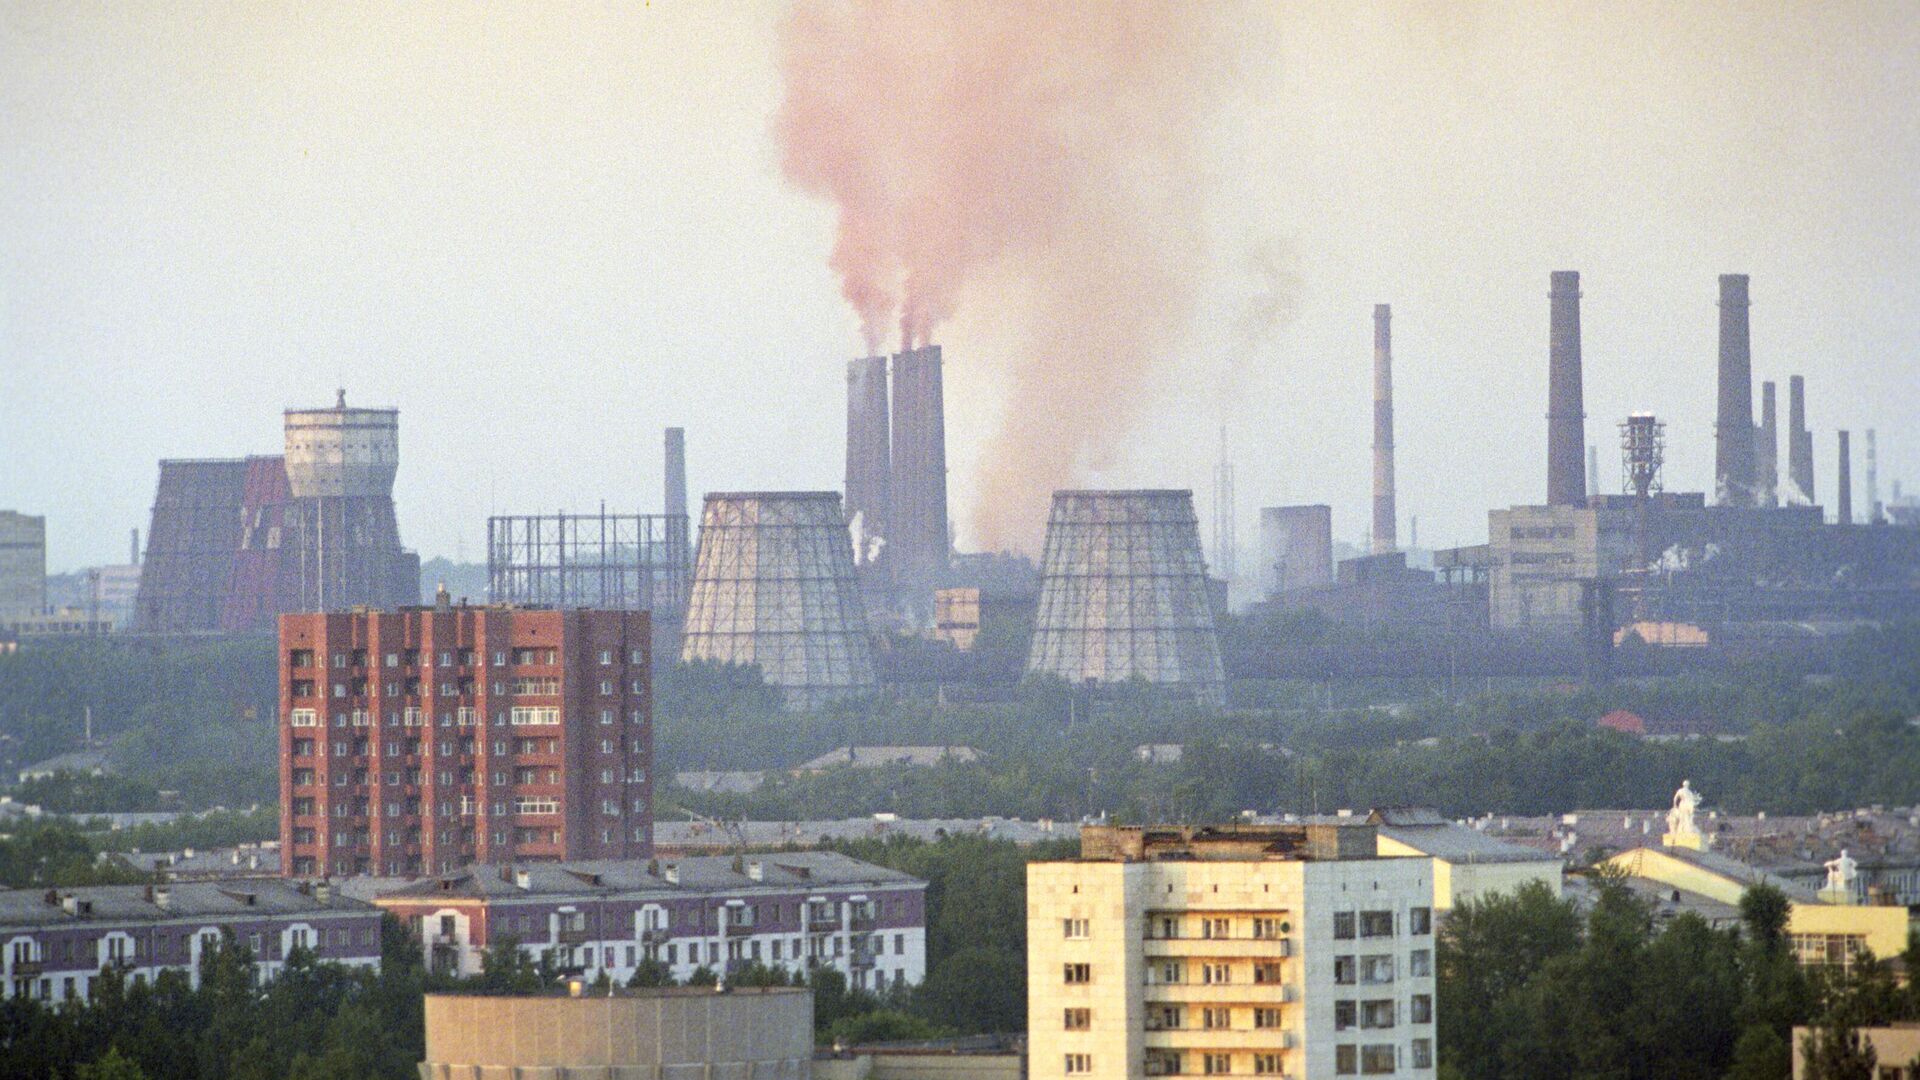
546,232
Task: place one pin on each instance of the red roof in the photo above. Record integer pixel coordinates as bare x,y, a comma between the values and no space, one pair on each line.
1624,722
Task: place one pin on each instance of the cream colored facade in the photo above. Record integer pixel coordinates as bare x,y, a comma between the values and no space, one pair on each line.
1455,882
1540,556
1206,958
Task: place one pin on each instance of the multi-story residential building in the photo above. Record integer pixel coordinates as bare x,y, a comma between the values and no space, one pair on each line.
1290,950
790,910
57,942
420,740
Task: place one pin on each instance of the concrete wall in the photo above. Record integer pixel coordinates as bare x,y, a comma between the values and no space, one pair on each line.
23,564
745,1034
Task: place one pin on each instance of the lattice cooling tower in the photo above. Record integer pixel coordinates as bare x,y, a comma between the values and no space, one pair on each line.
773,585
1123,593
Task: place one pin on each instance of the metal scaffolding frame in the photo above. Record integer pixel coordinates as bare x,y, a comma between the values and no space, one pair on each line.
627,562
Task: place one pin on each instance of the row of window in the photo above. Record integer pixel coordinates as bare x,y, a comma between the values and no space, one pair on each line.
1212,1063
527,685
1209,1018
360,748
1378,969
464,716
1217,928
357,658
1380,924
1379,1059
1380,1012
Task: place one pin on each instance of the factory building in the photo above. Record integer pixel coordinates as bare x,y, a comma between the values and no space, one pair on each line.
235,543
1279,950
1123,594
23,565
421,739
774,587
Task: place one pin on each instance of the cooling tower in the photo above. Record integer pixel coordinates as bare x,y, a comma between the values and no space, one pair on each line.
869,457
1123,594
340,535
918,546
1766,450
1296,548
773,586
1384,514
1799,442
1733,430
193,539
1566,410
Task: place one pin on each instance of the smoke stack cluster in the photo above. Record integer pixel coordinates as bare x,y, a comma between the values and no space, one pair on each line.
1844,501
869,457
1566,412
1766,450
1799,440
1733,431
896,493
1384,538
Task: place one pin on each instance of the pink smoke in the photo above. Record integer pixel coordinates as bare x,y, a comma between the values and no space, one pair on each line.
1055,141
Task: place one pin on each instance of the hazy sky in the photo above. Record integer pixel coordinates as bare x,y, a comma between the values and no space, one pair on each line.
546,232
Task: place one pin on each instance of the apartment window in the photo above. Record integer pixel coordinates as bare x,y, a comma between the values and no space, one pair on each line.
606,686
636,657
300,658
1343,925
1216,928
1377,1059
606,656
1423,1053
1216,974
1419,921
339,689
536,684
1267,1065
1376,970
1420,1009
1420,963
1074,928
303,718
1265,929
1078,974
1079,1064
1172,973
1214,1018
1266,1017
1266,972
1078,1019
1377,1013
528,715
1346,1060
1169,928
1216,1064
1346,1015
639,687
1376,924
1344,970
527,804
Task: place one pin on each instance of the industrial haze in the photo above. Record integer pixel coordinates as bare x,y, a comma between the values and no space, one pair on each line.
545,235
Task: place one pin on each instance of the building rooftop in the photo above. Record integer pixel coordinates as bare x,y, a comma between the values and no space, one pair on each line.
871,757
1341,838
786,870
150,903
1427,832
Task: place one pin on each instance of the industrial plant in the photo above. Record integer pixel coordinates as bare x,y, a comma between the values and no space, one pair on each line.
235,543
896,483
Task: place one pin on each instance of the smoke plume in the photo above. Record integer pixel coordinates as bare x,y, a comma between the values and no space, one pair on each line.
1038,160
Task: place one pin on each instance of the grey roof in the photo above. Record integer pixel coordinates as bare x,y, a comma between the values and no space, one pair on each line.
79,761
787,871
1736,870
701,834
869,757
1426,831
108,904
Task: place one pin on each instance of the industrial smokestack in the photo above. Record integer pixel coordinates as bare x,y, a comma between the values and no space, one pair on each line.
134,558
1593,471
869,468
1844,501
1766,451
1566,412
1733,431
920,547
1873,480
675,499
1384,538
1799,440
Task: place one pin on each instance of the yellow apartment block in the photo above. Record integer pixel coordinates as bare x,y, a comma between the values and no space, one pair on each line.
1242,950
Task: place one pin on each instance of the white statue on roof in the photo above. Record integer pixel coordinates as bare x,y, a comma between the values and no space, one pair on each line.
1682,829
1841,875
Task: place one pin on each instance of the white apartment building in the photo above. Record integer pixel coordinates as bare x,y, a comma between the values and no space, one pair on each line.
1244,950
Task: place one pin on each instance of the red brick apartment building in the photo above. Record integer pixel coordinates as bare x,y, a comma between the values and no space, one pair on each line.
419,740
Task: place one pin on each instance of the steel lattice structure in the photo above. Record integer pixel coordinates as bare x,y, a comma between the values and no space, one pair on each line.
625,562
1123,594
773,586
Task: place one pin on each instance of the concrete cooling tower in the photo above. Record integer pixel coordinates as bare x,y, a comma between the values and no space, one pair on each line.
773,585
1123,594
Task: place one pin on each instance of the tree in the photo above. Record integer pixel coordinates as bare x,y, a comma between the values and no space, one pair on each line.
113,1065
1489,950
1835,1051
1760,1054
651,971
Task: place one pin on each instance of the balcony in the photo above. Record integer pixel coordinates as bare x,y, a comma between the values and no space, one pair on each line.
821,924
860,961
28,967
861,920
1249,947
572,937
1251,993
741,929
655,936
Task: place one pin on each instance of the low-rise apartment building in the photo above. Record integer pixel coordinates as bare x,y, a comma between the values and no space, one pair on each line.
1290,950
789,910
57,941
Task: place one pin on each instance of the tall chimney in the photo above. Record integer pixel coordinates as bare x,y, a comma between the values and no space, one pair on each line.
1873,480
1593,471
133,559
1566,412
1384,538
675,504
869,488
1733,431
1844,500
1766,450
1799,440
